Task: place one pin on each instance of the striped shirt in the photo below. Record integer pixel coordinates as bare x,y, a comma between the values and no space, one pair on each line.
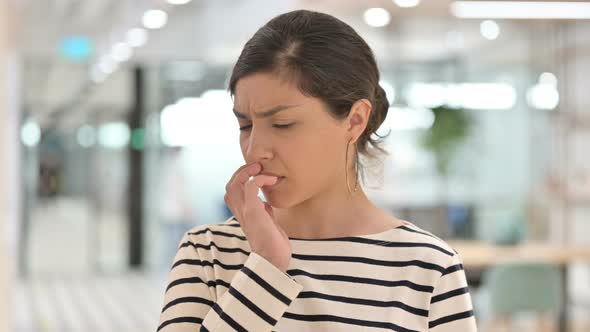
403,279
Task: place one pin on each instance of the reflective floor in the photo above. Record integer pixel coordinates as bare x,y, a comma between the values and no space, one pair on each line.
128,302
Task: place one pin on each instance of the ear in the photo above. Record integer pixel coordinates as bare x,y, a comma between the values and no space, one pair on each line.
358,119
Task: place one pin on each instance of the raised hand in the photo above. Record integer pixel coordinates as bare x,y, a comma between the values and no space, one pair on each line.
256,217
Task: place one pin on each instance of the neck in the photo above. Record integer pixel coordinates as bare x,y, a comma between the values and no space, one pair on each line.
334,213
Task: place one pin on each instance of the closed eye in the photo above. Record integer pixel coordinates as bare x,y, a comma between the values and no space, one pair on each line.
283,126
276,126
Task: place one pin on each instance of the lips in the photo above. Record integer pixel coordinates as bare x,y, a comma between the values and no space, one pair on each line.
271,174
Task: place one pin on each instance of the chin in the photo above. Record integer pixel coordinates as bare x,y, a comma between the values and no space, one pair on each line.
275,202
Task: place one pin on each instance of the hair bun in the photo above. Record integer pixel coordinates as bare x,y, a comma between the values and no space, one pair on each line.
381,105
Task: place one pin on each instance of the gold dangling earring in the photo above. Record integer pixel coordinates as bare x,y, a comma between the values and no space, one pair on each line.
356,172
346,170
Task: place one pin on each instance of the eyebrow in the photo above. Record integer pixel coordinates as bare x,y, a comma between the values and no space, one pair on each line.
265,114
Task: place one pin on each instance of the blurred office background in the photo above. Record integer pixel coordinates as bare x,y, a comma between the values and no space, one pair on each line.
116,136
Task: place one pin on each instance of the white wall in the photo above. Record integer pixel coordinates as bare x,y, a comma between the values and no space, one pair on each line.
9,156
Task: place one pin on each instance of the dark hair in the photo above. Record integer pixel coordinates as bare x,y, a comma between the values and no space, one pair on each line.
326,59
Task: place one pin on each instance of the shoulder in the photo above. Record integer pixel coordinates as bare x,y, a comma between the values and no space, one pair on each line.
224,231
441,251
214,241
417,233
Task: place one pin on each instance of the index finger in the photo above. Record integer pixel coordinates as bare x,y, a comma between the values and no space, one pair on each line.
243,176
239,170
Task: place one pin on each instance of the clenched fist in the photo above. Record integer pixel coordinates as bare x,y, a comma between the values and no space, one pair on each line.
265,236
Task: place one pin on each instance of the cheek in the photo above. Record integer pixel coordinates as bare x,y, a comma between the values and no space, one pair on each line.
330,161
243,145
316,160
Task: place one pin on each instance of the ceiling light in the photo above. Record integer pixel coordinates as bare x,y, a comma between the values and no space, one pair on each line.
521,9
548,78
30,133
121,52
543,96
178,2
155,19
114,135
107,65
377,17
408,118
407,3
486,96
489,29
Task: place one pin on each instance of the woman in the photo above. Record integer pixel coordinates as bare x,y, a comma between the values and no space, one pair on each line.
318,255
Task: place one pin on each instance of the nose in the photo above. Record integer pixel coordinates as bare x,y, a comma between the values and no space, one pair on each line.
259,146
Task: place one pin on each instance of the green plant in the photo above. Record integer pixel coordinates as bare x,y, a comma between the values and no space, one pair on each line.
451,126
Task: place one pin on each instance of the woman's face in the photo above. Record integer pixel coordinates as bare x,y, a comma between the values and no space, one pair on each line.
309,152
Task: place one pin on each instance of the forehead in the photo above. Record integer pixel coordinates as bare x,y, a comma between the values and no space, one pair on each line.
260,91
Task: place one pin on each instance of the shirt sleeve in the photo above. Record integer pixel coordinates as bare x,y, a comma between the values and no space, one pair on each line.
451,308
258,295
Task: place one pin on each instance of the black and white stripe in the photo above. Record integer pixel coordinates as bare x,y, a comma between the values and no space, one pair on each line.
414,274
